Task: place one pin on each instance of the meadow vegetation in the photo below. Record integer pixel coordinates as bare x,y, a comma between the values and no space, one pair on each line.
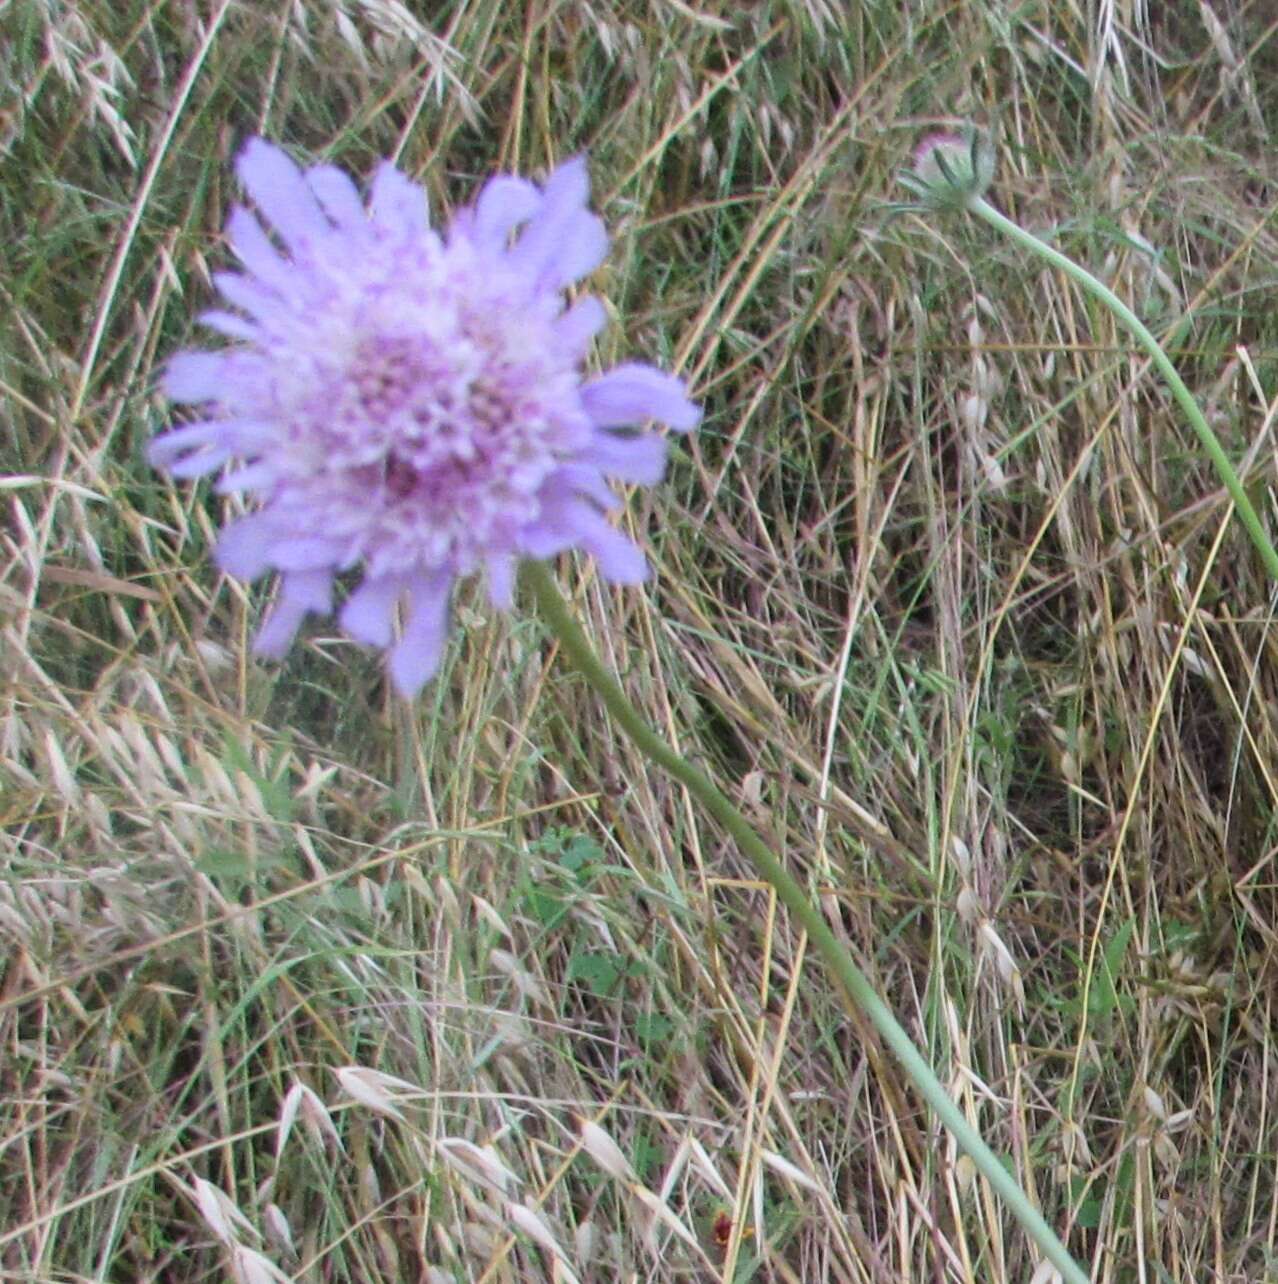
299,978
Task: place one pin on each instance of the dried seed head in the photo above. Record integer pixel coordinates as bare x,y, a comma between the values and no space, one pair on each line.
315,1116
372,1088
278,1229
250,1267
605,1152
223,1218
478,1161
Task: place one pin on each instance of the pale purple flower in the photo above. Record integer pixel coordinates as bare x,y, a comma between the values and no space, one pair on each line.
411,403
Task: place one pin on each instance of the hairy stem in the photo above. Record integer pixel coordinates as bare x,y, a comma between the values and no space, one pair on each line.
555,612
979,206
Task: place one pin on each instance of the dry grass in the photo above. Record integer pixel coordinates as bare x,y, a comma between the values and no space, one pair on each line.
304,984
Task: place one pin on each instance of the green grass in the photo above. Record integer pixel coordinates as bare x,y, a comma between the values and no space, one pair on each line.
942,598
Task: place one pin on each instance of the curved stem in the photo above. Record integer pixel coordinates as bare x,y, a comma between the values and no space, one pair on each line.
1143,335
555,612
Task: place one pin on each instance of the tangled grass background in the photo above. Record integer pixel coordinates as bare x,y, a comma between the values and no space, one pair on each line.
300,978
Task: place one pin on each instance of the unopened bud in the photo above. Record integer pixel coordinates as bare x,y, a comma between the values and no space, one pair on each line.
951,171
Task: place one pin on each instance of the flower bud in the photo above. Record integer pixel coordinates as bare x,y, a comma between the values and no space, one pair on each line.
951,171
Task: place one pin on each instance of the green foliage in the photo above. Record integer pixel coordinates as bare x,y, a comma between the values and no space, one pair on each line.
1101,985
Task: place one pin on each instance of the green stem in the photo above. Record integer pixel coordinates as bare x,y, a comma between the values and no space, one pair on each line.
979,206
555,612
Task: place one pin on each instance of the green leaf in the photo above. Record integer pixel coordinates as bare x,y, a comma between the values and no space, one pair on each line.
580,853
1089,1214
273,789
597,971
1103,998
548,909
652,1027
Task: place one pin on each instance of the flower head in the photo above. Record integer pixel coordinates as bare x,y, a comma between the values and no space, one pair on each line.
951,170
411,403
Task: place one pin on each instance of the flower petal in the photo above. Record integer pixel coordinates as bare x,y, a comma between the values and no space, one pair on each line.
231,325
306,553
556,252
369,613
630,393
503,204
397,203
253,248
501,582
248,293
252,477
248,437
580,324
567,188
565,240
262,540
414,659
280,192
618,558
244,548
640,459
230,437
300,593
580,247
337,195
196,465
545,538
164,451
195,376
582,479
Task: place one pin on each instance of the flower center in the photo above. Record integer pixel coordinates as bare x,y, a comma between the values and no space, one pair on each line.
400,478
441,441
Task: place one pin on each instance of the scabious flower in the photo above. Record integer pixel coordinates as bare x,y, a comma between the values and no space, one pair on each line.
411,403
